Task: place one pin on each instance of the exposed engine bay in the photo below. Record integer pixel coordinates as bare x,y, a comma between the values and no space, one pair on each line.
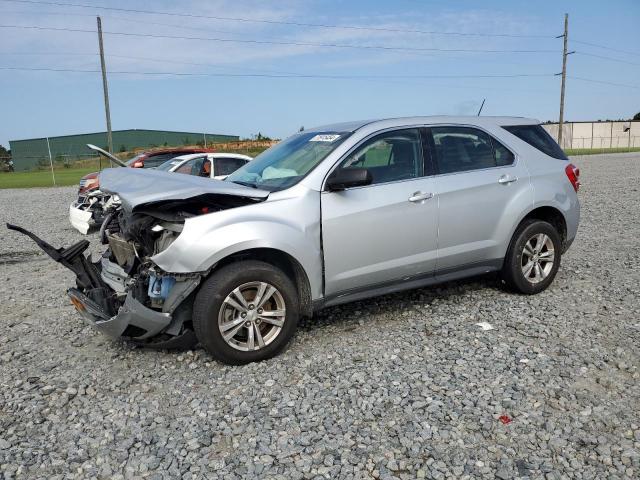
124,293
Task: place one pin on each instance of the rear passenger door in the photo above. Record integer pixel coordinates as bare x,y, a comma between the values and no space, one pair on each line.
480,187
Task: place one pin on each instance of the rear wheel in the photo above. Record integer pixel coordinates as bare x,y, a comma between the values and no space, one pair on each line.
245,312
533,257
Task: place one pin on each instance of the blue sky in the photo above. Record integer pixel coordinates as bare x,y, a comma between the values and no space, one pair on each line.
38,103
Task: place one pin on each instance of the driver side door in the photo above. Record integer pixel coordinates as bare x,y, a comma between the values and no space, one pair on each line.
384,232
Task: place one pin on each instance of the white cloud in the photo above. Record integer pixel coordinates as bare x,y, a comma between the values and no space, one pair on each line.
180,55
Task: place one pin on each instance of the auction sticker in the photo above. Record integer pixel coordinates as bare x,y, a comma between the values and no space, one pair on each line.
324,138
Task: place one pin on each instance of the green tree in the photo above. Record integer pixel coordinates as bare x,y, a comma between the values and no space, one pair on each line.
4,153
636,116
262,137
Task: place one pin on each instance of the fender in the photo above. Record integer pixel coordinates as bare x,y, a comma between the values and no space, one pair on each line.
561,197
207,239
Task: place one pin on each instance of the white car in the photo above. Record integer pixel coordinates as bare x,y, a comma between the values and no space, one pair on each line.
211,165
89,209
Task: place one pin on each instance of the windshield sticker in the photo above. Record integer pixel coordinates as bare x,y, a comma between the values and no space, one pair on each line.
324,138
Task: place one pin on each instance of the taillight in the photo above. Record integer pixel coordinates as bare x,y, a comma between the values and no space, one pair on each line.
573,174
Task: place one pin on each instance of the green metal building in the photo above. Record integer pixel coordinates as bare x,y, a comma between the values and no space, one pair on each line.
34,152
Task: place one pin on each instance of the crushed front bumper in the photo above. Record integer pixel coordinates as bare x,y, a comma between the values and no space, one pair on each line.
96,299
132,320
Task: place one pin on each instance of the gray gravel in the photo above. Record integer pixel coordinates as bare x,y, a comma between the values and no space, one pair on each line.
403,386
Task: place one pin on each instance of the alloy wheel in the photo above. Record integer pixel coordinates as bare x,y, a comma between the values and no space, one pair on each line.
538,257
252,316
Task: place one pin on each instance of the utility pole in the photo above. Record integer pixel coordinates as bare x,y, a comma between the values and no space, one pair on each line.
53,175
564,75
105,88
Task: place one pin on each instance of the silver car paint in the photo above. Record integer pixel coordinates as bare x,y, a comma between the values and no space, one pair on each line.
288,221
374,233
137,186
476,211
473,228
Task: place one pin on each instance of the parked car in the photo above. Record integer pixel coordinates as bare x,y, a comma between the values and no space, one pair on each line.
209,165
330,215
92,203
150,159
156,158
7,165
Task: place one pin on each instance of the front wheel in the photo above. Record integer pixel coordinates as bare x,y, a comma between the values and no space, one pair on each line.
245,312
533,257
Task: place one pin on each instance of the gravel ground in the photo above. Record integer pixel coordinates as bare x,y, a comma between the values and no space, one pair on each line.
402,386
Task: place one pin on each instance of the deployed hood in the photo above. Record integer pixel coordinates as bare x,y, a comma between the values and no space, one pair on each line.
137,186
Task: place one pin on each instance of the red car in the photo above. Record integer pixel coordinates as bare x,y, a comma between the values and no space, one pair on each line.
142,160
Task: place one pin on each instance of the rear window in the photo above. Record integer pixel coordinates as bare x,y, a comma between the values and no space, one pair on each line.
159,159
537,137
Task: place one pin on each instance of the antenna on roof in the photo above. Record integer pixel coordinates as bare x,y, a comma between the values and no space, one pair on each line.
480,111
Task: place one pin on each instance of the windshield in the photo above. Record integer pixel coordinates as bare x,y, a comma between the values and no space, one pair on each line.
168,165
286,163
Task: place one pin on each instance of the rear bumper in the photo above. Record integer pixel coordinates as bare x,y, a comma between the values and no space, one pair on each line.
572,217
80,219
132,313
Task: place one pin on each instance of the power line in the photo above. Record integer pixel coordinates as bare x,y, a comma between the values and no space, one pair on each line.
603,82
269,75
606,48
275,42
181,62
131,20
146,59
276,22
607,58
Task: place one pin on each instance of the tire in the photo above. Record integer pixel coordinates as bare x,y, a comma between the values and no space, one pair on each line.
218,307
518,261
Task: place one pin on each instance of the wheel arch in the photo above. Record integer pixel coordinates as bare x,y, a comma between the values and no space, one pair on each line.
550,214
281,260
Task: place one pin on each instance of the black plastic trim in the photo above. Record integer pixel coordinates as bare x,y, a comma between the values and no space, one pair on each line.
409,283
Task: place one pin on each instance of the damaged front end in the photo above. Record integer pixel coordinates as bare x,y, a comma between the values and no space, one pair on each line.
89,210
124,294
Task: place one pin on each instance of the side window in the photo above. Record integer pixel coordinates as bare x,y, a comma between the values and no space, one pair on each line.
539,138
459,149
226,166
390,156
503,155
191,167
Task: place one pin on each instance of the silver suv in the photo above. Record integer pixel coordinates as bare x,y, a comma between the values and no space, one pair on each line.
330,215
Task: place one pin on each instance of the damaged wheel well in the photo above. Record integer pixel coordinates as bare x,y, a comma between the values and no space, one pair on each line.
285,262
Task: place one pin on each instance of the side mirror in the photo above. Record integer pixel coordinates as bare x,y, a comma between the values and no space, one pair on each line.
348,177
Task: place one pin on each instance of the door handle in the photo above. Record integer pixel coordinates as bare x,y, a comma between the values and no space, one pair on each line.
420,196
506,179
